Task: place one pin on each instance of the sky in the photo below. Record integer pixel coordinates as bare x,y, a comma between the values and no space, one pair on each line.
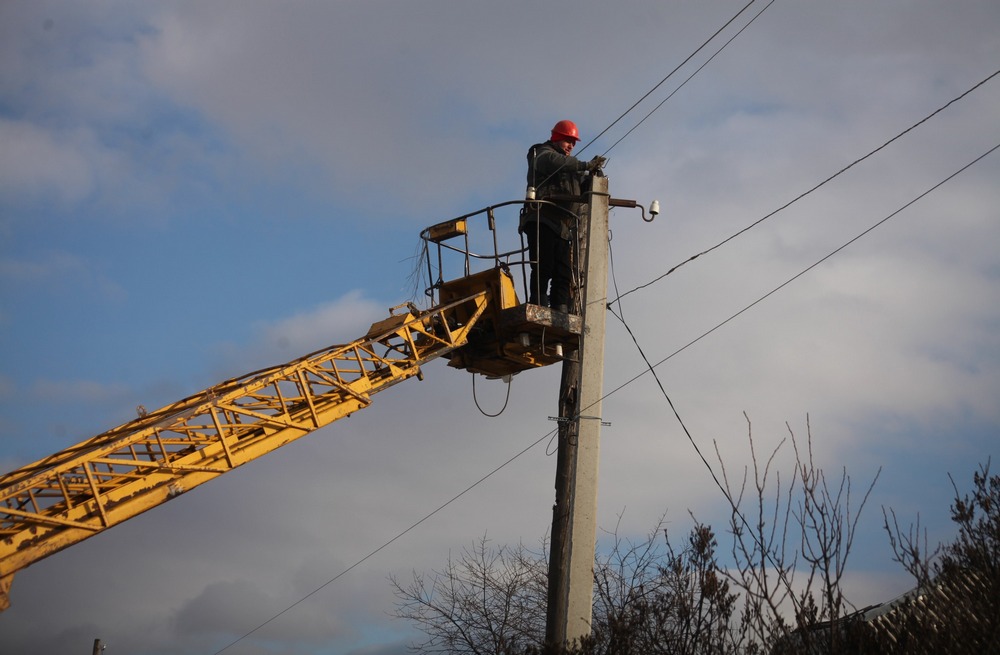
191,191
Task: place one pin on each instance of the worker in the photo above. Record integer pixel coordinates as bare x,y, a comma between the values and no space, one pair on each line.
559,177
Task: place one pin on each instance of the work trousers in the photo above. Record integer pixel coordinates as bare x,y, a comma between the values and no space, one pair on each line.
550,263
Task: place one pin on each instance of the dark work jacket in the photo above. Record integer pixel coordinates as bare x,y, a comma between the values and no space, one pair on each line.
556,177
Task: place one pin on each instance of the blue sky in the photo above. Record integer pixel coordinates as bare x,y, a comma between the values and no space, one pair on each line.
189,191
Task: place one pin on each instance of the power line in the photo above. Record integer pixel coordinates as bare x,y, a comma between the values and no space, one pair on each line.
681,85
670,74
806,193
388,543
801,273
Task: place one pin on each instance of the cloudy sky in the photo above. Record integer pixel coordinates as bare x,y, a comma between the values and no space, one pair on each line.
190,191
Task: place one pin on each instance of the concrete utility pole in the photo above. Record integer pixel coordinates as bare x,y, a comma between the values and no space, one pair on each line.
574,516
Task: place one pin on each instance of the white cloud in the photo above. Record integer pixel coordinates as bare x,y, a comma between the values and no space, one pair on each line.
352,313
376,117
39,163
58,269
291,337
73,391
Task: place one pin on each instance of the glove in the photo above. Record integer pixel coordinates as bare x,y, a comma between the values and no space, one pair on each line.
596,164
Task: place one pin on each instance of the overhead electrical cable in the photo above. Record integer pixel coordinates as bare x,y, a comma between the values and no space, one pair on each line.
725,492
388,543
806,193
801,273
688,79
482,411
670,74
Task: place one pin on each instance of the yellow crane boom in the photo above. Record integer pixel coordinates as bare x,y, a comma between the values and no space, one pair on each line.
477,322
83,490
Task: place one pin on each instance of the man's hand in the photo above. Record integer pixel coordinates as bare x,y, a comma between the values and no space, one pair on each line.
596,164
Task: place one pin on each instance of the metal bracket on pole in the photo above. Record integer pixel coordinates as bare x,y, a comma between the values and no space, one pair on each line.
567,419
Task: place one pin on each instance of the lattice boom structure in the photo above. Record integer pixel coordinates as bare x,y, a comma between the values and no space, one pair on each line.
83,490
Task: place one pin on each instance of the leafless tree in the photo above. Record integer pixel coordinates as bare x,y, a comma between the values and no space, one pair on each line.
490,600
780,594
790,561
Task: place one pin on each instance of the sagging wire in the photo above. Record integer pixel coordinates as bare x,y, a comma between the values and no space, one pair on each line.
620,315
475,398
722,488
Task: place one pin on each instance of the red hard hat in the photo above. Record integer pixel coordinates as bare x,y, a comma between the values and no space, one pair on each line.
565,130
